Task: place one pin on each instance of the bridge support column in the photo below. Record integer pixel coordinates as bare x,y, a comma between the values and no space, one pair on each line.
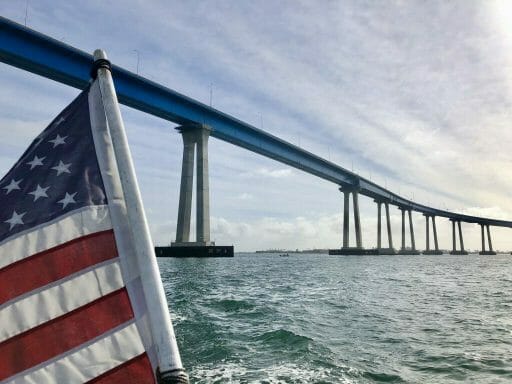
436,250
379,225
404,250
187,179
454,247
195,139
413,243
202,189
436,244
347,249
483,239
427,241
489,242
461,240
388,224
380,250
489,239
357,220
346,218
403,230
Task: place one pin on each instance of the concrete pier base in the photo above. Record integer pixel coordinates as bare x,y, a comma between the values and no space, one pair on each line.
432,252
386,251
408,252
458,252
352,251
195,251
487,253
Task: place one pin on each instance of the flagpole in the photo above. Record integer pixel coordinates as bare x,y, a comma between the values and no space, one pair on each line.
170,368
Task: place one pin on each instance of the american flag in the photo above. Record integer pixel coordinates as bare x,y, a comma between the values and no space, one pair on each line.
72,309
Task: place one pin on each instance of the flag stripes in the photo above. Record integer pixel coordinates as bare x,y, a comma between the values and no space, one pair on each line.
64,333
75,224
56,300
135,371
55,264
87,362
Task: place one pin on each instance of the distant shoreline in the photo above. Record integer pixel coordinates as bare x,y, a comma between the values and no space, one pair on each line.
319,251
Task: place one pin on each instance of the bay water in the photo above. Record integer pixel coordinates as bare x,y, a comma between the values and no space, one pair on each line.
310,318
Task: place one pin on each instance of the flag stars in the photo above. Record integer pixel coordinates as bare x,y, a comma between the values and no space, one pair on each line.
68,199
58,141
12,186
37,161
16,219
62,168
39,192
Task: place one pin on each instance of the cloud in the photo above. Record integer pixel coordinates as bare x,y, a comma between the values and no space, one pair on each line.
245,196
271,233
275,173
494,212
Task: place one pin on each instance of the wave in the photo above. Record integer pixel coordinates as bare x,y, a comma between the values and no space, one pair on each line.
232,305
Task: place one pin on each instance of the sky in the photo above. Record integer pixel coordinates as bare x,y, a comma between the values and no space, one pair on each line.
414,95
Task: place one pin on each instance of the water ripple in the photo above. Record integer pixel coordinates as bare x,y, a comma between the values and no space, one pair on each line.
327,319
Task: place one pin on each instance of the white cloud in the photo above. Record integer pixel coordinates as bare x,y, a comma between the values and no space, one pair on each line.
245,196
275,173
494,212
271,233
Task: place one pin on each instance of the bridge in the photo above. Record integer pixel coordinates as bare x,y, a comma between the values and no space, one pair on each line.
32,51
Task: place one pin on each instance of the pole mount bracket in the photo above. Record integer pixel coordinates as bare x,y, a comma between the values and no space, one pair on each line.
100,63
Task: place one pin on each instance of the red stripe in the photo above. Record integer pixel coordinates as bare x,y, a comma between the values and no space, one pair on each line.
135,371
55,263
64,333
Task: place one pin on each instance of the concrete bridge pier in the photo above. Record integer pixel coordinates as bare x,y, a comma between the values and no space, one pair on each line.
436,250
347,249
380,250
489,242
357,220
346,218
404,250
461,240
390,234
187,179
414,251
379,225
203,189
195,139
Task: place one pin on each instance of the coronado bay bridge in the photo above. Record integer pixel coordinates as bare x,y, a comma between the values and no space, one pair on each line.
40,54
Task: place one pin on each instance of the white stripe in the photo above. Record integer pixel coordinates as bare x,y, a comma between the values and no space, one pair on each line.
21,315
78,223
89,362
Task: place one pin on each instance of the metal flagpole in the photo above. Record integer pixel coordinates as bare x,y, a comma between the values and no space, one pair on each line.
170,368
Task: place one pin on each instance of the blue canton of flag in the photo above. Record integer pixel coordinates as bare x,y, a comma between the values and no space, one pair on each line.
58,173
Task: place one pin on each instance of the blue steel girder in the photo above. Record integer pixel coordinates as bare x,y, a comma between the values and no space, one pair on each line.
43,55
